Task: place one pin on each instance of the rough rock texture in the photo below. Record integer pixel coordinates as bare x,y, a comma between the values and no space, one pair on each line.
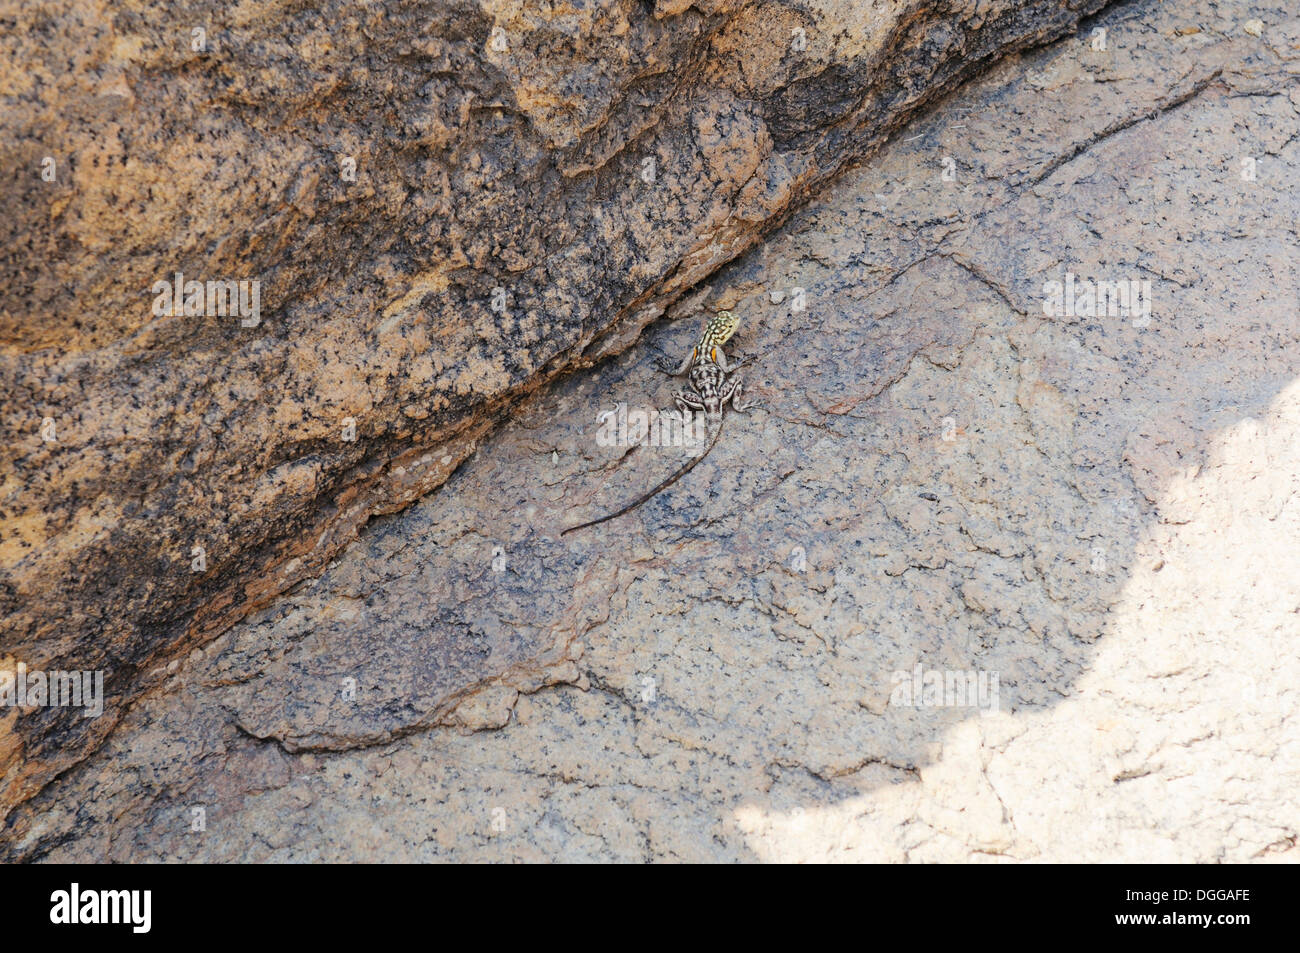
382,170
1103,511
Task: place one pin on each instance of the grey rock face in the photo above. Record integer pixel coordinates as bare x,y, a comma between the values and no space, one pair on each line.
960,470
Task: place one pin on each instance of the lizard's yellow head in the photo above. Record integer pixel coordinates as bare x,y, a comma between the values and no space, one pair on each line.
724,326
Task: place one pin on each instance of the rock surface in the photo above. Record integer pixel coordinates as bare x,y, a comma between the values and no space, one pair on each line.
1100,512
444,205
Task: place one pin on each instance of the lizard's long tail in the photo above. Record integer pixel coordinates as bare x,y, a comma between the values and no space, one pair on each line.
685,468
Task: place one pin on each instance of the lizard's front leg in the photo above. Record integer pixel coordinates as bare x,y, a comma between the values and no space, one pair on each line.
721,361
667,367
718,356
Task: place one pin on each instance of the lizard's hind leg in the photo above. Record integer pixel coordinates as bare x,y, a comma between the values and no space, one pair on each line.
688,401
734,397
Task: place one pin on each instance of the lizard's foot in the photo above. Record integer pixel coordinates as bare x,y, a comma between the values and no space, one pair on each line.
668,367
736,403
733,393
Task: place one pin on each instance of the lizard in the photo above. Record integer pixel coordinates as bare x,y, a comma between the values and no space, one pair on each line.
711,389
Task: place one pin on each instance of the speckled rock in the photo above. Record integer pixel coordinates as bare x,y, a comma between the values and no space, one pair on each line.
432,207
1088,518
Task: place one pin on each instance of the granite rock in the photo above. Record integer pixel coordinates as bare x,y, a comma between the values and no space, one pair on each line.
996,573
